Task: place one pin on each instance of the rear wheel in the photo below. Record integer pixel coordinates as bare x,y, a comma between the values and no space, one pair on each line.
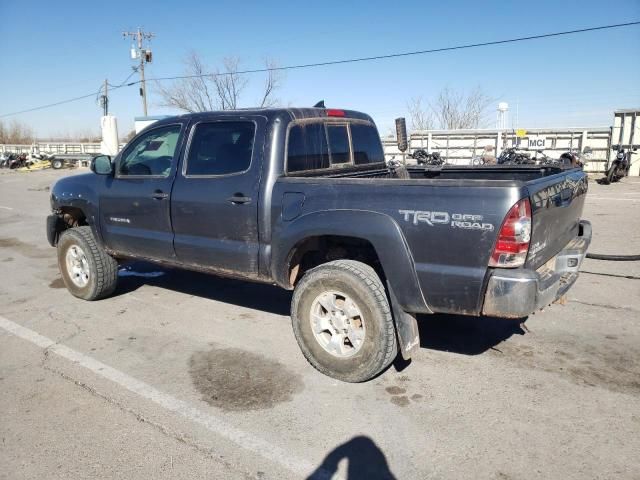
87,270
611,174
56,163
342,321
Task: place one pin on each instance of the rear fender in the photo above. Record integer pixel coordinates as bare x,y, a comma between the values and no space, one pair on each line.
378,229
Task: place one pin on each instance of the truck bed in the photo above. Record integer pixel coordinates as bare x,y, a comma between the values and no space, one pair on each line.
450,263
447,172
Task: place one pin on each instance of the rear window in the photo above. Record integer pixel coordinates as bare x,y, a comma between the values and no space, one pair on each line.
319,145
307,149
366,144
339,143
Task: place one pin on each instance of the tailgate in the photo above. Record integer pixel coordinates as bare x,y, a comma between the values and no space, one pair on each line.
556,206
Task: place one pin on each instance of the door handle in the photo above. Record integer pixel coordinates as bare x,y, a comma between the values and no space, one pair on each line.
238,199
159,195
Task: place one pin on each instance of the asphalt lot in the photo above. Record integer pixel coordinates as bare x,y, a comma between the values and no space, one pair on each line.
181,375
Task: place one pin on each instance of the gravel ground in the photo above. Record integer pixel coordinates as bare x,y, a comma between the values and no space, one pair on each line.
181,375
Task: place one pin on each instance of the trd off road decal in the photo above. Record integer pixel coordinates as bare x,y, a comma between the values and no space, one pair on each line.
454,220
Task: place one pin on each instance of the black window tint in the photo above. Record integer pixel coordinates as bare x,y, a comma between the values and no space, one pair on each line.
366,144
307,149
338,143
220,148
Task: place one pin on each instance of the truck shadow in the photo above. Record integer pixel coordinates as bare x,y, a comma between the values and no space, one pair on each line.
449,333
267,298
464,334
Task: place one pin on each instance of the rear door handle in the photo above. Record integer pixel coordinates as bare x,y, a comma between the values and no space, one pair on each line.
238,199
159,195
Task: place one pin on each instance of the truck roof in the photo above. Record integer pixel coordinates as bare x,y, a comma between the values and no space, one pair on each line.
289,113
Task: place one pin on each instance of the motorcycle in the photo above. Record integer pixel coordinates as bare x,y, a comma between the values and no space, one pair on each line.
424,158
4,159
17,161
620,165
511,156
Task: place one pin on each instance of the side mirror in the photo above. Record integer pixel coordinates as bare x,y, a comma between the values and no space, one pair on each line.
102,165
401,134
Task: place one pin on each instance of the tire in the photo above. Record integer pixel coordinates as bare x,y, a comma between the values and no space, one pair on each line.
611,174
56,164
87,270
360,283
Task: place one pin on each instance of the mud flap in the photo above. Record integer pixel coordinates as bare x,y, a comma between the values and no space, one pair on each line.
54,226
406,326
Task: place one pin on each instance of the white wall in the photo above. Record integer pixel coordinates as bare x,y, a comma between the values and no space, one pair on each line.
460,146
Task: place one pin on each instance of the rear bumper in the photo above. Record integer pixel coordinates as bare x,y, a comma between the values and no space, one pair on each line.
517,293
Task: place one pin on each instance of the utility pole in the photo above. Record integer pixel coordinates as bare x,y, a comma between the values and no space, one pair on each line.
138,51
105,98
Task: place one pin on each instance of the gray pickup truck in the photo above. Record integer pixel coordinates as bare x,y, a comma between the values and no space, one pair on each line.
303,198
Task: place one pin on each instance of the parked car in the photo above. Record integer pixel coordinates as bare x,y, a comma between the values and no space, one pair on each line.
303,199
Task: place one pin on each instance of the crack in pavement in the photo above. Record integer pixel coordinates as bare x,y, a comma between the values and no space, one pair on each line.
616,275
604,305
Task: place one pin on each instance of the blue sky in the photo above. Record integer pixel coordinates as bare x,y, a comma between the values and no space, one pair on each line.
51,51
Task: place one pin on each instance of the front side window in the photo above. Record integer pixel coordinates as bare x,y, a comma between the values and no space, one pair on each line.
152,153
220,148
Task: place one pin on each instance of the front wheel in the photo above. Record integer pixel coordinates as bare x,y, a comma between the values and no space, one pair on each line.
87,270
342,321
611,174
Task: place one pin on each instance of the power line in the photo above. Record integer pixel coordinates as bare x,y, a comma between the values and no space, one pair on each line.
344,61
404,54
61,102
122,84
75,99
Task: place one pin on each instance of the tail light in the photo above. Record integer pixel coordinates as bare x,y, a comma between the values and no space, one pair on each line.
514,236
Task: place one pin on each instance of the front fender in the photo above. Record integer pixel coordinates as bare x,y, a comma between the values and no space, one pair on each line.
78,192
378,229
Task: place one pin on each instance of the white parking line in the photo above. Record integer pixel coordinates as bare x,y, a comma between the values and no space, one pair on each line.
214,424
6,208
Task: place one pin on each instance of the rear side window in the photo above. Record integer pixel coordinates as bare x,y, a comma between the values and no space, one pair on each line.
307,149
220,148
366,144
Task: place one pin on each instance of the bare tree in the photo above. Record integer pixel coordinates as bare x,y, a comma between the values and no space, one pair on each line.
16,133
83,135
271,85
191,94
421,117
451,110
455,110
215,89
229,84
